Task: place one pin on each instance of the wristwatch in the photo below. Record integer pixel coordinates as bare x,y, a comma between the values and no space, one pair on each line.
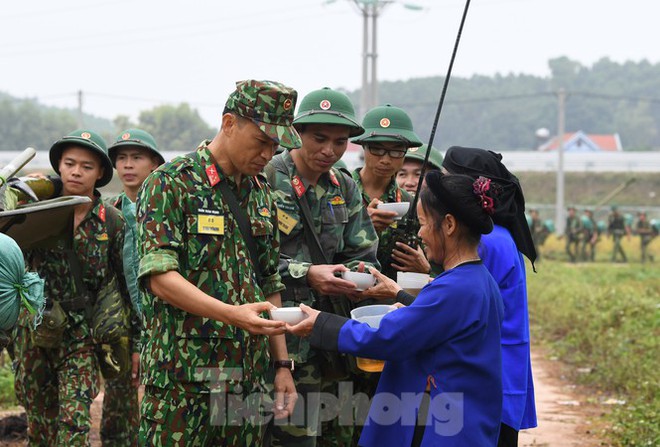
288,364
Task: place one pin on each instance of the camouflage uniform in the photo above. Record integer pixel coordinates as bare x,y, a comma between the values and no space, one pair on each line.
192,366
57,386
646,234
617,228
589,235
392,194
572,233
347,237
120,417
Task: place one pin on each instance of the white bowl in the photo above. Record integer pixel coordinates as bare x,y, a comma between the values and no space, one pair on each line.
291,315
412,280
400,208
362,280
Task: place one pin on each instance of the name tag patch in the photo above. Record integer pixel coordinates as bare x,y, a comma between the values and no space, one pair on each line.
210,222
285,222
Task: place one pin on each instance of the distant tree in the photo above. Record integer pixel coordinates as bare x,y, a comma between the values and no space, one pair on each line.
175,128
26,123
122,122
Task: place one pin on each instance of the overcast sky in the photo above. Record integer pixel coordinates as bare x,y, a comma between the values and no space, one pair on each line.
128,55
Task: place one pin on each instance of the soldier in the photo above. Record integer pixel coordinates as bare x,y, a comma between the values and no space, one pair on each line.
572,234
589,236
537,229
305,180
646,234
408,176
135,155
57,369
617,228
209,251
388,136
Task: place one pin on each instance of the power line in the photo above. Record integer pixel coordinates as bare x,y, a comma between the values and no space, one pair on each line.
168,28
49,12
213,30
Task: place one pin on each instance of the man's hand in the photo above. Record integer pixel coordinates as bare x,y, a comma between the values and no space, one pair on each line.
409,259
304,328
248,317
322,279
285,393
385,288
135,369
380,218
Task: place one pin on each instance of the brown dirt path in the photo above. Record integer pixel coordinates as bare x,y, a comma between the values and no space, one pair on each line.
565,414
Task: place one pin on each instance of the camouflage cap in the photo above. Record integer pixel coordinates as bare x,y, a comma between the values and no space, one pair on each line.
270,106
86,139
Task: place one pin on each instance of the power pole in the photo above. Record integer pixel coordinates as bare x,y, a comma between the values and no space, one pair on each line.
560,222
80,110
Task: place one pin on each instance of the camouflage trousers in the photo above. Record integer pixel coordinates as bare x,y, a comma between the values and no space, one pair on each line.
618,249
56,387
121,413
303,426
326,411
182,416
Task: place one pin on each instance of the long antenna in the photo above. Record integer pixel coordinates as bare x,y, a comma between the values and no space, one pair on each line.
413,206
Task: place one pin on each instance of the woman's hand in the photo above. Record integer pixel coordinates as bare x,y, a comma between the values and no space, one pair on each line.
409,259
304,328
385,287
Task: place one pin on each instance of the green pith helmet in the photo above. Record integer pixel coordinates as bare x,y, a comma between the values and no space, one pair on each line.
419,153
135,137
387,123
86,139
327,106
341,164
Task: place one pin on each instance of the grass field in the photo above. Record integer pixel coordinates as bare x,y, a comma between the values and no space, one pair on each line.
604,319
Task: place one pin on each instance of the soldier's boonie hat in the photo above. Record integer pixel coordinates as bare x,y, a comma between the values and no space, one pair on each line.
327,106
388,123
86,139
419,153
270,106
135,137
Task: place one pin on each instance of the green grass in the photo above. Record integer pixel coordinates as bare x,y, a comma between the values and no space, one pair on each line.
606,317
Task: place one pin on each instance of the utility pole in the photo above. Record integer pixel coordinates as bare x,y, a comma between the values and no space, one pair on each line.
374,55
560,222
370,10
364,91
80,109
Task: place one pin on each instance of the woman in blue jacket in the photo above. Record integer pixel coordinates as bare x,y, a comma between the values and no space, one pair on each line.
502,253
441,384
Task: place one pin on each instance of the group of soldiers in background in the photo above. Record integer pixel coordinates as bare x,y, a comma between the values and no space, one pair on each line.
583,233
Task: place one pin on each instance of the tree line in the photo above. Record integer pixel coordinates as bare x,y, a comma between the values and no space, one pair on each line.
501,112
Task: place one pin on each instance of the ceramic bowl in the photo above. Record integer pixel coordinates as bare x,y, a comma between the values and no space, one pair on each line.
291,315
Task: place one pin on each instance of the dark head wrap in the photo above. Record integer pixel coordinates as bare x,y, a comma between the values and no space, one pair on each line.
456,193
510,205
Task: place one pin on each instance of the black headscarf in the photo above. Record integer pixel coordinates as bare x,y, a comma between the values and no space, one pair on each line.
510,203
